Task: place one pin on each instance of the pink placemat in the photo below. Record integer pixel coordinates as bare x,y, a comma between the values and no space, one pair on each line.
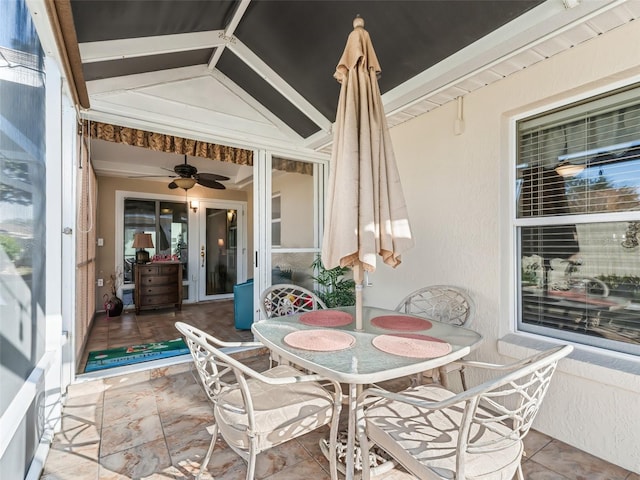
412,345
326,318
319,340
399,322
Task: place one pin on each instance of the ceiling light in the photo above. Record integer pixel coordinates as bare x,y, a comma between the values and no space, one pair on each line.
566,169
185,183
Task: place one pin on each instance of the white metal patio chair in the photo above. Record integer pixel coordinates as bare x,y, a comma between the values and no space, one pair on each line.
256,411
443,303
477,434
286,299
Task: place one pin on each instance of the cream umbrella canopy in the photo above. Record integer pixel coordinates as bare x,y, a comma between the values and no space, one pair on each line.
366,214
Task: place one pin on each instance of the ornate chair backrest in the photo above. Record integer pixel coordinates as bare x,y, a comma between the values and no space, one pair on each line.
507,405
217,371
286,299
442,303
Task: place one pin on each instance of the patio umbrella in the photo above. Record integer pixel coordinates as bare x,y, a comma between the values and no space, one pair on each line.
366,214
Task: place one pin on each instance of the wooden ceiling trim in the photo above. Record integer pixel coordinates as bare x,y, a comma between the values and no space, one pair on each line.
61,18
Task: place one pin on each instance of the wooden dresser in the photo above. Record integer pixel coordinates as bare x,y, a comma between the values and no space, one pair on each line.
158,284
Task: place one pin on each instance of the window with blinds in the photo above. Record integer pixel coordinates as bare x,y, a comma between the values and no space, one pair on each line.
577,222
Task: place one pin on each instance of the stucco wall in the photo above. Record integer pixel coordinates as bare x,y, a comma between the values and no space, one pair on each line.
458,193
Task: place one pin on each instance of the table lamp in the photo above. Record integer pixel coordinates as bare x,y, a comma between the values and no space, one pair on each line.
140,242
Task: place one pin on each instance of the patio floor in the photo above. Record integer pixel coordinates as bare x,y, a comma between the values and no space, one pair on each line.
151,424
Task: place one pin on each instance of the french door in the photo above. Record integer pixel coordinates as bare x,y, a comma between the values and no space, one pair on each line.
221,248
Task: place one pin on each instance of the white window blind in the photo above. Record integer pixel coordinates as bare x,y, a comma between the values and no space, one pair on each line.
578,219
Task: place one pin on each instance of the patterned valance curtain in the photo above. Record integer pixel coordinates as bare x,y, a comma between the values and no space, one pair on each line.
186,146
168,143
292,166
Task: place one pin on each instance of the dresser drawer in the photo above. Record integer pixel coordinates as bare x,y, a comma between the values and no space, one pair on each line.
157,289
153,300
145,270
158,280
169,269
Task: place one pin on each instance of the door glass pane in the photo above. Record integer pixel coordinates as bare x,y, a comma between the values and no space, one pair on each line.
293,190
166,222
294,217
139,217
221,251
172,233
22,216
293,267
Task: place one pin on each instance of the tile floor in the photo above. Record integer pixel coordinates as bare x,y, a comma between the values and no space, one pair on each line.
158,325
151,424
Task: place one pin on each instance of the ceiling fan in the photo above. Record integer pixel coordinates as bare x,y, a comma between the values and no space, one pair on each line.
186,176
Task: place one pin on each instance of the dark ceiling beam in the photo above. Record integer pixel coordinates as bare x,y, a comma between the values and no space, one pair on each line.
228,32
246,55
61,18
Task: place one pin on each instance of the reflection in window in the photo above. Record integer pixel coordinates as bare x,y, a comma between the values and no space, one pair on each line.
579,274
22,210
167,224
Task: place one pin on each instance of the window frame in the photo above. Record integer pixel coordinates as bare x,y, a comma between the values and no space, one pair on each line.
515,326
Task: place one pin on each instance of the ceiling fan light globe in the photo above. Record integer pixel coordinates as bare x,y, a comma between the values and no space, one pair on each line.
185,183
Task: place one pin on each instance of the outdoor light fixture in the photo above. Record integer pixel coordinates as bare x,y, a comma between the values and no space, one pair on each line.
185,182
140,242
194,204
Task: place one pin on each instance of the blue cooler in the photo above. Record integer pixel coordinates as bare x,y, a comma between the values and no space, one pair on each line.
243,305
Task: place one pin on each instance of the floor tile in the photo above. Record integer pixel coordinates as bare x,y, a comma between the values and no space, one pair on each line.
153,424
125,435
572,463
141,461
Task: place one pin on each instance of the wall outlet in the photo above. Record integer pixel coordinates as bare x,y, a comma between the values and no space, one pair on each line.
100,282
101,242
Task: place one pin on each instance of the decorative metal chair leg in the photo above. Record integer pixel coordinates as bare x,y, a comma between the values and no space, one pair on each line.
463,379
214,436
251,465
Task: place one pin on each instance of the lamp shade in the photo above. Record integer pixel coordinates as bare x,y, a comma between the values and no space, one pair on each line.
185,183
142,240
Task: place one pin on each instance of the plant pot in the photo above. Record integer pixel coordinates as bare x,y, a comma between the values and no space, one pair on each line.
113,306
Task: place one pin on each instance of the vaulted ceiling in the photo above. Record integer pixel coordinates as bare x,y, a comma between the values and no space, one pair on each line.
260,73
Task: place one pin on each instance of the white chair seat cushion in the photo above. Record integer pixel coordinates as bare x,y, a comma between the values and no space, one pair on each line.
282,412
425,441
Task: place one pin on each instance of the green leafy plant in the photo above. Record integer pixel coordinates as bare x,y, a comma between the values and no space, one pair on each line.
334,289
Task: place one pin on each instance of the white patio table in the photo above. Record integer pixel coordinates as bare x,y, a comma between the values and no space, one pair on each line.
358,361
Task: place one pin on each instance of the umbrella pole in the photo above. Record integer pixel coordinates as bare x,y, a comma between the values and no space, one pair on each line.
358,277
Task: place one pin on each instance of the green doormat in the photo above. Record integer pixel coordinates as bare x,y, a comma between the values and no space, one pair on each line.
117,357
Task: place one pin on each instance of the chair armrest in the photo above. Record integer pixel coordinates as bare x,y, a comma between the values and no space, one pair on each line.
515,365
237,344
412,399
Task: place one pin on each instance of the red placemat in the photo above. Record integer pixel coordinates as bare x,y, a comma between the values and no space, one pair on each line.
582,297
400,322
326,318
319,340
412,345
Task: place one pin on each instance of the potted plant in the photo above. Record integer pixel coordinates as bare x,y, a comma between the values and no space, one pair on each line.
113,306
334,289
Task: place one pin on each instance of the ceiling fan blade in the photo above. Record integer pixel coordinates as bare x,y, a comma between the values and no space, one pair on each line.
211,176
152,176
209,183
173,185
